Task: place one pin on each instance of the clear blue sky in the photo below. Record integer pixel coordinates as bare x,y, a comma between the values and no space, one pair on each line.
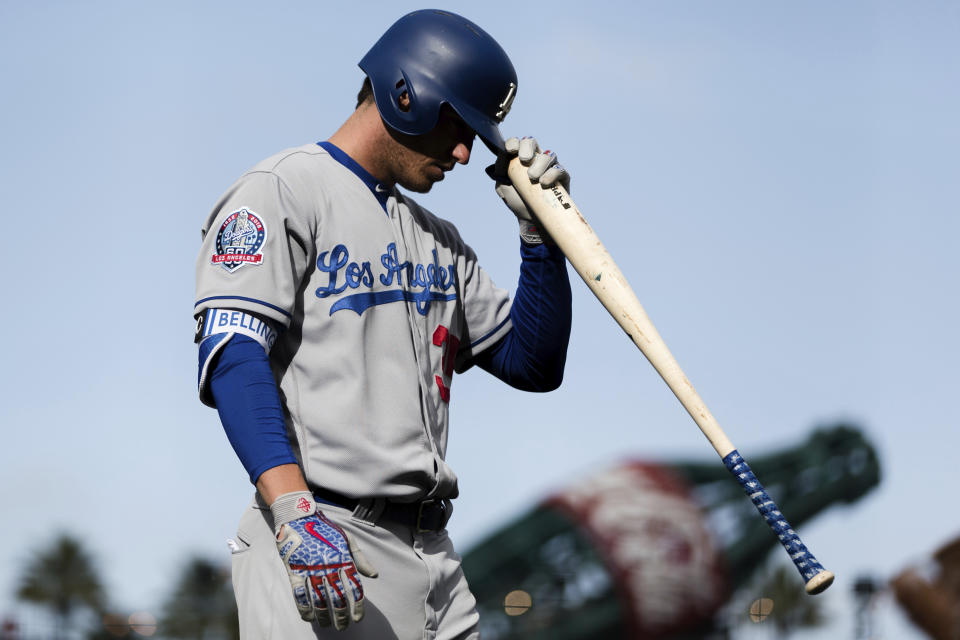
779,182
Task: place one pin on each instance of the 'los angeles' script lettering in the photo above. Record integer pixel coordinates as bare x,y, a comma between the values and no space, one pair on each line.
421,283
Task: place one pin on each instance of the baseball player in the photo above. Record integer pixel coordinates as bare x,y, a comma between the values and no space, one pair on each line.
332,312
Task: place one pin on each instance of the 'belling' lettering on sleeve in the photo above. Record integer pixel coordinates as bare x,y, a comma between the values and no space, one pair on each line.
234,321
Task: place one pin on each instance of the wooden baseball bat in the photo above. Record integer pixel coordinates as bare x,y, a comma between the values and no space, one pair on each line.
559,216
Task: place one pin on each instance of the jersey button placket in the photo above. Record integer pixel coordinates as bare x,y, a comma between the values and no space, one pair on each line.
399,219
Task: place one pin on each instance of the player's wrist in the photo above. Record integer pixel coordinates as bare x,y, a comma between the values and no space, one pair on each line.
278,480
529,232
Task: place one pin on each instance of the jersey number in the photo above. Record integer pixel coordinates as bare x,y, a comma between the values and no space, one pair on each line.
449,343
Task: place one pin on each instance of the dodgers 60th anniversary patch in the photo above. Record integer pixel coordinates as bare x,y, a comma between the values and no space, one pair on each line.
240,240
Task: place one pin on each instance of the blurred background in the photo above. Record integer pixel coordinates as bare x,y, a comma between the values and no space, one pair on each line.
778,181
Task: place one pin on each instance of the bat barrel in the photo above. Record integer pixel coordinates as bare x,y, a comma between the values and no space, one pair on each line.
559,216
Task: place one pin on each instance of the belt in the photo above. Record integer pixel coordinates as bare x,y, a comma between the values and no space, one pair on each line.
424,516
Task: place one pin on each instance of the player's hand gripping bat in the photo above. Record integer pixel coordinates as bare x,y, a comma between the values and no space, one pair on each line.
559,216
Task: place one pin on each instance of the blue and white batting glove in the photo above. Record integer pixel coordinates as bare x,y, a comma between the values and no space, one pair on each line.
542,167
321,560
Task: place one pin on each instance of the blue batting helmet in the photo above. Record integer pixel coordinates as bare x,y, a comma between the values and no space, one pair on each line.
437,58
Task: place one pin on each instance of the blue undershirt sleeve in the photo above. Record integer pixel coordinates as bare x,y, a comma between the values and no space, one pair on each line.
247,399
531,357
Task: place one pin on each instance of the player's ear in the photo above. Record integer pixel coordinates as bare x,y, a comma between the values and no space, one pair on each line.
403,101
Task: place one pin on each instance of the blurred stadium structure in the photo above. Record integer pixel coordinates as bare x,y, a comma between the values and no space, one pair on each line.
650,549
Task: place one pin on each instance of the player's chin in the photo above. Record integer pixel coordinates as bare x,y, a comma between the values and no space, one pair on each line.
422,184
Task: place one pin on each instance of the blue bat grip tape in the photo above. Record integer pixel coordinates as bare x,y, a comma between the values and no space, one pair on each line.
802,558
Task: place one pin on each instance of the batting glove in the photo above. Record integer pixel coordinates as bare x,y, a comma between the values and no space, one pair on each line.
542,167
321,560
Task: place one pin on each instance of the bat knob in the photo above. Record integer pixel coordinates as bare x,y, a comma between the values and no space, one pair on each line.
819,582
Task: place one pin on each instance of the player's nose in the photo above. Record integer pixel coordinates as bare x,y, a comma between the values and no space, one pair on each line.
461,153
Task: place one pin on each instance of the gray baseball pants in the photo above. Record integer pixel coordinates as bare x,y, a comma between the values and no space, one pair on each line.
421,592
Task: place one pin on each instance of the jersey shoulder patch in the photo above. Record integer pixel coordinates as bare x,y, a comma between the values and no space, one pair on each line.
240,240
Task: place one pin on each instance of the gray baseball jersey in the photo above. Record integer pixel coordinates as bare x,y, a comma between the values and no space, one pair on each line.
375,310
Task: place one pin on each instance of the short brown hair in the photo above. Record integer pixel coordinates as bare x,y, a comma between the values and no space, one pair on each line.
366,92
